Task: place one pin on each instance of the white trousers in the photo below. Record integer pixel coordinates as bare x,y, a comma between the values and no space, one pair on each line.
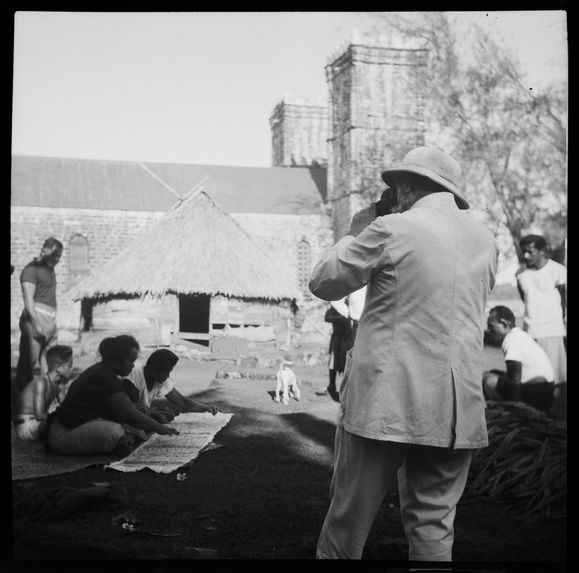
30,428
431,481
554,347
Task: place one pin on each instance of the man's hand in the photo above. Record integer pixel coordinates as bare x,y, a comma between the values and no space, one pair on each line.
162,415
362,219
200,407
167,431
38,332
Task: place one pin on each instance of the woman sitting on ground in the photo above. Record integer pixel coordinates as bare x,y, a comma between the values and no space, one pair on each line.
150,382
97,416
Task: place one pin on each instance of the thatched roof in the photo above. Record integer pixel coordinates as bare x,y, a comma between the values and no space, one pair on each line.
146,186
196,248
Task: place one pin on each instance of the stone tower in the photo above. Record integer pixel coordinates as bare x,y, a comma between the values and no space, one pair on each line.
375,116
299,133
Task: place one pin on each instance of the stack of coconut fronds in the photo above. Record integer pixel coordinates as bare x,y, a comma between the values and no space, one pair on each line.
525,463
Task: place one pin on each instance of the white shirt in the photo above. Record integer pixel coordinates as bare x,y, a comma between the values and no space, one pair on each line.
341,306
356,302
351,306
146,396
543,311
520,347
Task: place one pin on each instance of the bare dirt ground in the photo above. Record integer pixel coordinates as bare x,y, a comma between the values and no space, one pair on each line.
263,495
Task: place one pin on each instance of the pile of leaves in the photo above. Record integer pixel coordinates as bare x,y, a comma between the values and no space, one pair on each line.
524,466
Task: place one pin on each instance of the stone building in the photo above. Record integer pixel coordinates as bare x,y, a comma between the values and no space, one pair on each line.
326,161
299,133
97,208
376,116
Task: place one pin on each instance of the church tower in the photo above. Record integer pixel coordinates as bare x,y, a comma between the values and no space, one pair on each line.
299,132
376,115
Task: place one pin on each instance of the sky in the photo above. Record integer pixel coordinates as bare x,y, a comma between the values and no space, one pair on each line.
198,87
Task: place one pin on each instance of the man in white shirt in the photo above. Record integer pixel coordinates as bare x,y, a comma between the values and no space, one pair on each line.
355,301
150,381
529,375
542,287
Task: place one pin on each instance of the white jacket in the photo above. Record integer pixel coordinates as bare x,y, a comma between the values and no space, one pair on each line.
415,372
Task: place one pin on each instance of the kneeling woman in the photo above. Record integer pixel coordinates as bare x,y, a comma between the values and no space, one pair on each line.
96,415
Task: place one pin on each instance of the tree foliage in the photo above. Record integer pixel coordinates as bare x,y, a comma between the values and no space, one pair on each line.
511,139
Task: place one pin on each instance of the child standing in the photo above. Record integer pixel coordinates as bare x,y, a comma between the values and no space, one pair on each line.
35,399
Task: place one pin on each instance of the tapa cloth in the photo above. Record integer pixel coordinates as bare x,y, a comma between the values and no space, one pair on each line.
164,454
415,372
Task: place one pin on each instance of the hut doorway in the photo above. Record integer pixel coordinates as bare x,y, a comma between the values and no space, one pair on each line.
194,317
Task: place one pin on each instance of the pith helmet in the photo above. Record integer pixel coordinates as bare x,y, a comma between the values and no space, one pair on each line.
433,164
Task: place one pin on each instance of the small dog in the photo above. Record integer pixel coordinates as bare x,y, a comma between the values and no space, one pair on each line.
286,382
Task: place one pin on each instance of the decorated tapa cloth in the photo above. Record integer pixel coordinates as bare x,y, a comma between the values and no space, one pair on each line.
31,460
164,454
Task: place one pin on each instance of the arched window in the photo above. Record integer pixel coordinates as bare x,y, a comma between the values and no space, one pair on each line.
304,265
78,258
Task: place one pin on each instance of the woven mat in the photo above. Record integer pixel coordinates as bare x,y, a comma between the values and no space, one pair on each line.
31,460
164,454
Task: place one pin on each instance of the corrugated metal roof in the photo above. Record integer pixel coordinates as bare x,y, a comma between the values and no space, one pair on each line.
129,185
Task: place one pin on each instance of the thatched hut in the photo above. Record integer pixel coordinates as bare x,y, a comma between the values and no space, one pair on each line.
197,275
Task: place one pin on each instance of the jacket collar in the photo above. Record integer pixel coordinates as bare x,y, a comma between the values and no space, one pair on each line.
439,199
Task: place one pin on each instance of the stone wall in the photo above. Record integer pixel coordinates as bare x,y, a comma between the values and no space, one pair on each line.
108,232
279,235
299,131
376,116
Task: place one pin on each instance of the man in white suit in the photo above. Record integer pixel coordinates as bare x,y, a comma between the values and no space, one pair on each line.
411,400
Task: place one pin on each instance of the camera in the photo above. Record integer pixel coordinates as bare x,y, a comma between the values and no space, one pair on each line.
387,203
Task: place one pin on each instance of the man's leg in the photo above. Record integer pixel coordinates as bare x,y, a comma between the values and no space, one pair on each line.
95,437
30,430
554,347
29,352
364,470
331,387
49,327
538,393
489,384
332,383
431,483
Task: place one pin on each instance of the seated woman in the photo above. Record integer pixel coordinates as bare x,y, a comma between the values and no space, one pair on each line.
529,375
97,416
151,381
